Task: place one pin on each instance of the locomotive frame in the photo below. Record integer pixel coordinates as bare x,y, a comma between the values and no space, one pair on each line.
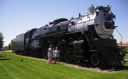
90,39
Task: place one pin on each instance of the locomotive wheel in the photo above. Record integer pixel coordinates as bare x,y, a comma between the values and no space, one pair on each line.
95,59
68,57
78,60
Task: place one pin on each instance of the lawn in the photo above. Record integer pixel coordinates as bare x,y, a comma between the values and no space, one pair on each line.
11,67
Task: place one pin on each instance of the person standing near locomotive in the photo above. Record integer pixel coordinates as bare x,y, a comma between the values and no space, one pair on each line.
53,54
50,54
56,55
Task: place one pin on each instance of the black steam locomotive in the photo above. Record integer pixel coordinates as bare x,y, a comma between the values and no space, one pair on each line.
87,37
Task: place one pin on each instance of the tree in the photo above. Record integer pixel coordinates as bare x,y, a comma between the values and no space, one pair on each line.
5,48
1,40
10,46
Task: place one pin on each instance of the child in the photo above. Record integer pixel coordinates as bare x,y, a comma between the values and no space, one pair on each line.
57,55
53,54
50,54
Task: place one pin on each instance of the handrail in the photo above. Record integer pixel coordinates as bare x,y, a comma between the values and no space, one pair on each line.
85,21
120,36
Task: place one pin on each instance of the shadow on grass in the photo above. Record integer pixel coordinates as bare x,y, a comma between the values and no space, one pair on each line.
2,56
3,59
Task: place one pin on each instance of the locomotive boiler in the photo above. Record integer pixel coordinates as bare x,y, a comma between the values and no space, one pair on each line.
87,37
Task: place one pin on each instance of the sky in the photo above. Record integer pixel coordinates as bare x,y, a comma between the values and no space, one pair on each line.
18,16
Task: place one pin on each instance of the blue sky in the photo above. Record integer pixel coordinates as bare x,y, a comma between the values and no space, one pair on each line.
18,16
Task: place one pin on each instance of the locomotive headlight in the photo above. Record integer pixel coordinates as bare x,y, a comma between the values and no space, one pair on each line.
108,16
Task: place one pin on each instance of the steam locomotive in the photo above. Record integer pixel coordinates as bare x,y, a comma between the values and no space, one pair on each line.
87,37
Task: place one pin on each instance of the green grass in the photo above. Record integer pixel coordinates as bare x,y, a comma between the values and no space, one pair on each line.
11,67
126,57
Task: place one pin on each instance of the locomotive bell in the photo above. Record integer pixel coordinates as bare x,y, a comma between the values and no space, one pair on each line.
91,10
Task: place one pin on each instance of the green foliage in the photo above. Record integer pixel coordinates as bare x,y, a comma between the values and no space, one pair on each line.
5,48
126,57
10,46
11,67
1,40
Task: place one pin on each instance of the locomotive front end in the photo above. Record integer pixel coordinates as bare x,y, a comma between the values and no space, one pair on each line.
104,22
96,29
110,53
